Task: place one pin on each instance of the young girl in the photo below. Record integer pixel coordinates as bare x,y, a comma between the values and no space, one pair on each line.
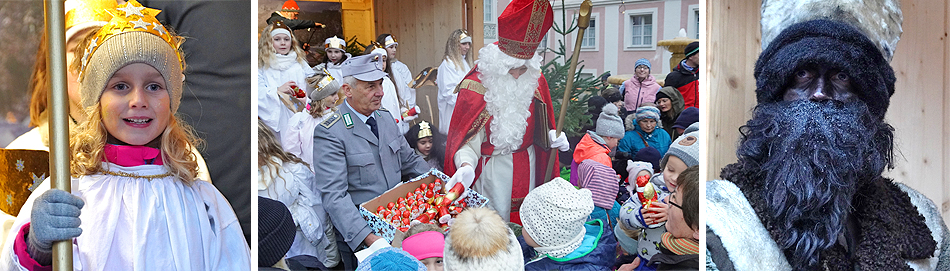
298,139
401,74
284,177
455,64
390,100
425,242
428,144
335,49
133,170
282,69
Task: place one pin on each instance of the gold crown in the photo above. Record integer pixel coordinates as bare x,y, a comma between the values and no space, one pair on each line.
424,130
335,42
129,17
80,12
390,40
326,80
463,35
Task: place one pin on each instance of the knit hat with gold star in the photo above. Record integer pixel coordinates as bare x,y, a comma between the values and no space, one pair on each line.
132,36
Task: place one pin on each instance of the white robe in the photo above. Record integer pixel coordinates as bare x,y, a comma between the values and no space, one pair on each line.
447,78
495,180
403,79
295,189
298,138
269,107
391,102
33,140
139,224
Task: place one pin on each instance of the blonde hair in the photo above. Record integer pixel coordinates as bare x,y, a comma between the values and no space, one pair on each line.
266,51
453,53
269,146
316,107
88,142
422,227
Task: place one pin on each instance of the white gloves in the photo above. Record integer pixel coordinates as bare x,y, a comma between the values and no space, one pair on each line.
559,142
464,175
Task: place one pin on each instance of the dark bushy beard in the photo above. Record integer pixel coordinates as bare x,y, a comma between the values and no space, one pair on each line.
812,156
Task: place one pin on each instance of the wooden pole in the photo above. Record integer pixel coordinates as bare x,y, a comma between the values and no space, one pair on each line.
58,118
583,21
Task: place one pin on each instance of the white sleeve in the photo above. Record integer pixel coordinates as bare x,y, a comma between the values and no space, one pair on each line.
470,152
268,103
447,79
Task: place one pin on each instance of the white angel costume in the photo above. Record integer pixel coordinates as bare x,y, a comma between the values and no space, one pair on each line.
151,221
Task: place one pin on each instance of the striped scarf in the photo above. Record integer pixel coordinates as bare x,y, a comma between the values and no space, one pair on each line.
679,246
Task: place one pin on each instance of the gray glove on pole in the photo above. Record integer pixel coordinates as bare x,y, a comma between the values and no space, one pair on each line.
55,217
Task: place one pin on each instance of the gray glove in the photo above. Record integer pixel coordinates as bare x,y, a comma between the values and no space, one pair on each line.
55,217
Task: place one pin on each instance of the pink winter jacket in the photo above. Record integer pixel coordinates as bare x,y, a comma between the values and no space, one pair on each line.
636,93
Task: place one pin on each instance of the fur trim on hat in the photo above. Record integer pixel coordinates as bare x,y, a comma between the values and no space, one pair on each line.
630,123
480,240
879,20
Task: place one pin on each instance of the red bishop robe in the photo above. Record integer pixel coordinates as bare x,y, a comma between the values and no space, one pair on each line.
471,120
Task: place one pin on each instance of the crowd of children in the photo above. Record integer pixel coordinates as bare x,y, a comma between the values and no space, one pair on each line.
615,210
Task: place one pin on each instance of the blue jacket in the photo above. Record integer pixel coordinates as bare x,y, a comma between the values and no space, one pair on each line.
598,251
632,143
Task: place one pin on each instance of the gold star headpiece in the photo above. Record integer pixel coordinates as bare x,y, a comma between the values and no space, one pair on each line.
424,130
130,17
85,11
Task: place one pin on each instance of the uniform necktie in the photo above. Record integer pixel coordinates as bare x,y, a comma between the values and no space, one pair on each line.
372,126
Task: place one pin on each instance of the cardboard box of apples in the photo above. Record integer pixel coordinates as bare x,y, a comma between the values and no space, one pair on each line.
420,200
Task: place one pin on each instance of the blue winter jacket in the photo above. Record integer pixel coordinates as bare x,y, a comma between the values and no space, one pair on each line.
597,252
632,142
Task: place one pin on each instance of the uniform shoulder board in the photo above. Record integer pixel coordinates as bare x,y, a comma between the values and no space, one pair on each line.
330,120
382,109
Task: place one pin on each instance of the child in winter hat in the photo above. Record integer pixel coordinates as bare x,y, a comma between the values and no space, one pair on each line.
390,258
602,182
426,242
597,144
553,216
683,153
480,240
556,233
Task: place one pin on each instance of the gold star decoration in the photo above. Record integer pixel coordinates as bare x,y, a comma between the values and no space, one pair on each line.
129,17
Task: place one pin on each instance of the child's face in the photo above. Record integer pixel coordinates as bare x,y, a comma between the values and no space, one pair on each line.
391,50
433,263
330,100
674,166
611,142
135,105
282,43
424,145
677,225
334,54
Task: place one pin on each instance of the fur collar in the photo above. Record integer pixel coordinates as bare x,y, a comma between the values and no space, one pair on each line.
890,230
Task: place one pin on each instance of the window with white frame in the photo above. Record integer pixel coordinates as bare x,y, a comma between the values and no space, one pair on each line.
641,30
544,43
590,34
490,28
696,13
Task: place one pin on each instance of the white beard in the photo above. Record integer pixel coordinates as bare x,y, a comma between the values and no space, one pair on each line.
507,99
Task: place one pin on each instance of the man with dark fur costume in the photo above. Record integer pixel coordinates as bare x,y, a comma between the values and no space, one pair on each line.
807,192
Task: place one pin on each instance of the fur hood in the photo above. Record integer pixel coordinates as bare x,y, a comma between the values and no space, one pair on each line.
509,259
631,123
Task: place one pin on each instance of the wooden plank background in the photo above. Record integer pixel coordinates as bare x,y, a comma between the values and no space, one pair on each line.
918,108
422,26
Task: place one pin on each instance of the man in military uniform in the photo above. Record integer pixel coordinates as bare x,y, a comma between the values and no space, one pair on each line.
363,155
